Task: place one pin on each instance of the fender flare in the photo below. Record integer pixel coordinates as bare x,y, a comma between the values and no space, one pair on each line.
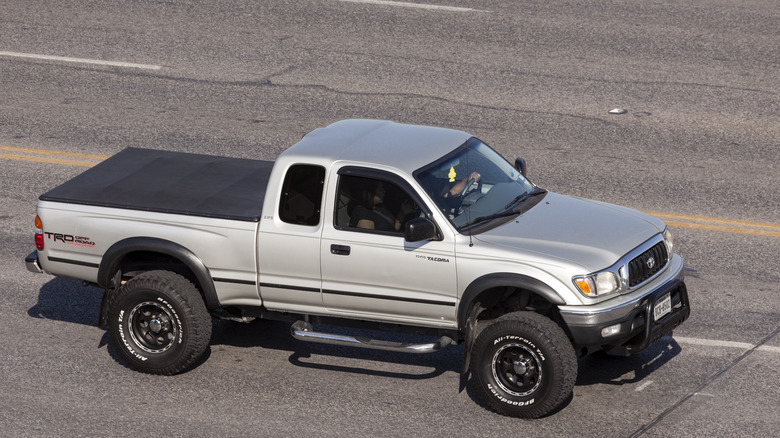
111,259
504,279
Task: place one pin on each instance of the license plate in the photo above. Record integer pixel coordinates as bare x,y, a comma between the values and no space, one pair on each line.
662,307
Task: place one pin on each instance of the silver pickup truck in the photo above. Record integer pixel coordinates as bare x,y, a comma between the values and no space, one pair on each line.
370,225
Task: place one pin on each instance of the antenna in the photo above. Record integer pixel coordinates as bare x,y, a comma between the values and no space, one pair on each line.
468,208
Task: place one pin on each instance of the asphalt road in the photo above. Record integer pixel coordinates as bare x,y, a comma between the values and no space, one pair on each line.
698,146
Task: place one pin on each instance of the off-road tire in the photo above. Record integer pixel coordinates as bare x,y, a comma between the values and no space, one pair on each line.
523,365
159,322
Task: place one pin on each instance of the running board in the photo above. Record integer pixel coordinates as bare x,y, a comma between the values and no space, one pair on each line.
303,331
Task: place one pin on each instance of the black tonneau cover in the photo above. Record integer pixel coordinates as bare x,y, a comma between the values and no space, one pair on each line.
171,182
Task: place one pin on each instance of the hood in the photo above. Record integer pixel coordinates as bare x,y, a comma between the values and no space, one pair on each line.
588,233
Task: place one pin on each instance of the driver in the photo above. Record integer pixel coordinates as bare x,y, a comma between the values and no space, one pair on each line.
443,184
458,188
451,192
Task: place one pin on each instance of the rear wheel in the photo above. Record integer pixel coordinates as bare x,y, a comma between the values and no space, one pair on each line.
523,365
159,322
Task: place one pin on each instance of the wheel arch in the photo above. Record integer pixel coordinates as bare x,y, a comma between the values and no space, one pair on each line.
490,288
489,292
137,250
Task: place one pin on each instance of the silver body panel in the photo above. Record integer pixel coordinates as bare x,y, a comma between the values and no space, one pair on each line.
587,233
226,247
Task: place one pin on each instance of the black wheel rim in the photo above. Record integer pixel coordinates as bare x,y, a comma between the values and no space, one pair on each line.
517,369
152,327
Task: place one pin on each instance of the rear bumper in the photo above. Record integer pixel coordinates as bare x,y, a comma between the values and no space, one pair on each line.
636,322
31,261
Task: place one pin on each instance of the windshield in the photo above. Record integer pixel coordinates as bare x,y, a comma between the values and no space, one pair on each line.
474,184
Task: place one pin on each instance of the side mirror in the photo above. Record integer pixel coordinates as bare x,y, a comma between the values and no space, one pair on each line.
520,165
419,229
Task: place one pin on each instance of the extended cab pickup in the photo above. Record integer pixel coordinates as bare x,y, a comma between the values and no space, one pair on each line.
366,224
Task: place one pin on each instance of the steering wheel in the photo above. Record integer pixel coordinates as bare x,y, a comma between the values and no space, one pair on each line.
470,182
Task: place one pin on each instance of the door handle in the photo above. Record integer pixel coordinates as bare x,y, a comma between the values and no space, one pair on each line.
339,249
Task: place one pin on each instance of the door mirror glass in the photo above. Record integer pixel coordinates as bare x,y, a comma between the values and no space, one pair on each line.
419,229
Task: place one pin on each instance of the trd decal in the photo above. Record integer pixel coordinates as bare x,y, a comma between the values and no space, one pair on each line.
70,239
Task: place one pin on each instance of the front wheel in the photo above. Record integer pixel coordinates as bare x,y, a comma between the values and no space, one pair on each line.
523,365
159,322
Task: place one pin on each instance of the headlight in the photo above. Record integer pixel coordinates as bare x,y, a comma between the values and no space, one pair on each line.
669,241
597,285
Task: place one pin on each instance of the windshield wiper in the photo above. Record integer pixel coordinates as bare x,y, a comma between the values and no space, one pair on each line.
524,196
489,218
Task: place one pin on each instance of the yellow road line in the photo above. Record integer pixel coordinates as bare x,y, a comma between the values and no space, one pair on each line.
48,156
717,224
50,152
737,230
738,223
48,160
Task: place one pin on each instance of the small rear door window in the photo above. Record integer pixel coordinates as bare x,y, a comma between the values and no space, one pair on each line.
301,199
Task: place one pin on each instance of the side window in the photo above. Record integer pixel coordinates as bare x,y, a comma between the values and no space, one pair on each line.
302,194
373,204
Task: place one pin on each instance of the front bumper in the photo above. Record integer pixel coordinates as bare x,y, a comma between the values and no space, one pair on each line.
31,261
638,328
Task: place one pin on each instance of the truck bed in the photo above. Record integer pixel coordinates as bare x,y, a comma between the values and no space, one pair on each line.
171,182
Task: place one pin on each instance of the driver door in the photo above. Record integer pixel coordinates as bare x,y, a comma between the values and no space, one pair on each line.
374,272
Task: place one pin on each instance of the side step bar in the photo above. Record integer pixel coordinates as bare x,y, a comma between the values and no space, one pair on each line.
303,331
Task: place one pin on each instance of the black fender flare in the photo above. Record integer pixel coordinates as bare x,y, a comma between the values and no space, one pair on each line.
112,257
502,279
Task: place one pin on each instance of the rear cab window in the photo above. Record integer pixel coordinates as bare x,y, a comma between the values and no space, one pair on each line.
301,199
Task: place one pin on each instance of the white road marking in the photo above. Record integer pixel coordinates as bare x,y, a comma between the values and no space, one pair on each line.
727,344
644,385
713,343
414,5
80,60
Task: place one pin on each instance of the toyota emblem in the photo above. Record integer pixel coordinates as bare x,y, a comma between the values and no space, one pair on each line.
650,263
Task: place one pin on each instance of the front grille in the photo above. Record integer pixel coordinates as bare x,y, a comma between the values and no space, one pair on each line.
647,264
